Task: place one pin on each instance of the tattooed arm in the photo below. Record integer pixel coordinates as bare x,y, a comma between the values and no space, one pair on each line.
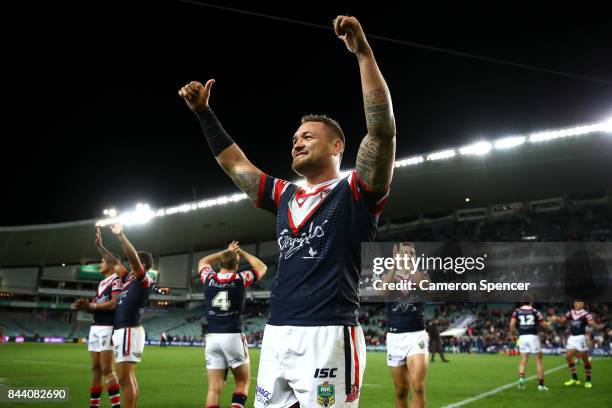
244,174
229,156
376,154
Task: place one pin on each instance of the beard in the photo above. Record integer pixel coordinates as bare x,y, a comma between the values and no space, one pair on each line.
304,165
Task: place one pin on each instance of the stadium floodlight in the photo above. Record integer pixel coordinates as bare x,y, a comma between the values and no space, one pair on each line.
557,134
205,203
544,136
185,208
509,142
411,161
476,149
444,154
143,213
607,126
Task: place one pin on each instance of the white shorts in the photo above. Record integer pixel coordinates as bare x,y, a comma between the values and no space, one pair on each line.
577,343
400,346
318,366
100,339
529,344
225,350
129,344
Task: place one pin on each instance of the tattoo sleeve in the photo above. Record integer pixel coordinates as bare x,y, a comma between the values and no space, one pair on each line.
376,154
378,112
247,179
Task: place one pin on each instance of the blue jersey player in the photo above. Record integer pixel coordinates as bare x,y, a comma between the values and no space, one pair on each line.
528,319
129,335
579,318
224,295
407,339
313,351
99,342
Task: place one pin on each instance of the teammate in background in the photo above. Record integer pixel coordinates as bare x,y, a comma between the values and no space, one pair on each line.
528,320
99,343
407,340
129,336
226,346
579,319
313,351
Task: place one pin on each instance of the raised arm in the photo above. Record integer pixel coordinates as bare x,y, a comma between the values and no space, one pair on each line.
105,253
415,276
256,263
229,156
376,154
108,256
210,260
129,251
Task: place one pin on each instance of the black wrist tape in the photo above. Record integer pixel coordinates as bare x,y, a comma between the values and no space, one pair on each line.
215,135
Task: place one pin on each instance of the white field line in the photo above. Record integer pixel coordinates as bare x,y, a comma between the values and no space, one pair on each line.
498,389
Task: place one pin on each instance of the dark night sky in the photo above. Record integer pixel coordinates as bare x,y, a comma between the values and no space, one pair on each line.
92,118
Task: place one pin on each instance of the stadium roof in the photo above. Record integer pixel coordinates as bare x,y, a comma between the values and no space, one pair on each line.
487,172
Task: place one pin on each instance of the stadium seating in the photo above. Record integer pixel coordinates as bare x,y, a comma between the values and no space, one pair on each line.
486,323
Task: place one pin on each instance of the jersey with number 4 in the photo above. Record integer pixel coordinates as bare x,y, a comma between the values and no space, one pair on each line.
528,319
224,297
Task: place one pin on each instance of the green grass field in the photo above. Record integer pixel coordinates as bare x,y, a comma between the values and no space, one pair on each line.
175,377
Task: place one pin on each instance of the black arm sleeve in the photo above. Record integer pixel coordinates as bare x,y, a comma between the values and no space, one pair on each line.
215,135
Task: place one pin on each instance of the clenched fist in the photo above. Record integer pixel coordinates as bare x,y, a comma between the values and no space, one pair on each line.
349,30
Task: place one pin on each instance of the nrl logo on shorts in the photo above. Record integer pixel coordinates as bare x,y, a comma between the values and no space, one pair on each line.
421,344
326,394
